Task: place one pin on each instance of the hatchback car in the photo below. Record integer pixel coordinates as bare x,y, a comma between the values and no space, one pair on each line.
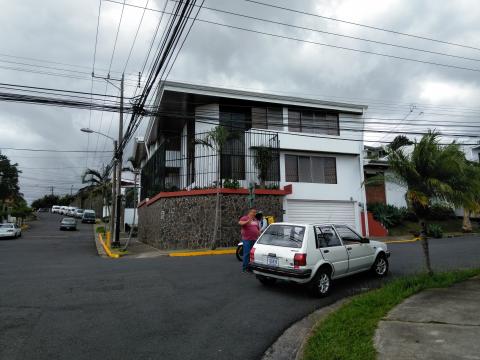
68,224
9,230
315,255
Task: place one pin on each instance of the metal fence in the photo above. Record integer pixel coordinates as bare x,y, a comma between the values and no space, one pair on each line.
198,161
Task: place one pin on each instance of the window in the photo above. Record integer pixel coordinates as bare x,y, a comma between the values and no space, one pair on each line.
326,237
347,234
267,118
232,160
313,122
311,169
283,235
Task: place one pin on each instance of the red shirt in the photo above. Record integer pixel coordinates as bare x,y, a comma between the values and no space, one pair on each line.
250,231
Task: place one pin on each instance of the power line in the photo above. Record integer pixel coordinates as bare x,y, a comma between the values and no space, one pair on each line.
363,25
48,150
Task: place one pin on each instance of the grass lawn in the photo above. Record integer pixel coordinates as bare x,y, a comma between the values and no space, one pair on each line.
348,332
448,226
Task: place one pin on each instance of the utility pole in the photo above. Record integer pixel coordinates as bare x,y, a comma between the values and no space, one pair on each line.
118,205
114,186
51,188
117,167
71,190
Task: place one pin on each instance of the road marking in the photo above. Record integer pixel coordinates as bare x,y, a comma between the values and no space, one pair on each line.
203,252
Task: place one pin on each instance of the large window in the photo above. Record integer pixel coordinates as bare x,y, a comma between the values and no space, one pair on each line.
267,118
313,122
283,235
311,169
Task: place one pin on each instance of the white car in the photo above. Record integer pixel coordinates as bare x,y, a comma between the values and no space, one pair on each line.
55,209
8,230
63,210
71,211
78,213
315,255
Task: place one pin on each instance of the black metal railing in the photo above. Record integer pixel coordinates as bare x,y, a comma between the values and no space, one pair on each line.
197,161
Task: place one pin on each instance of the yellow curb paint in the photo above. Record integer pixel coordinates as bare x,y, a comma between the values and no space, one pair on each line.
105,247
401,241
203,253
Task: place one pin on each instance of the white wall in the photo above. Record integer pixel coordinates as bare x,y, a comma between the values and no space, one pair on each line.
395,194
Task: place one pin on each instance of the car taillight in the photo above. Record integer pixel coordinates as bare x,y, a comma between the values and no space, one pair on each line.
252,254
299,260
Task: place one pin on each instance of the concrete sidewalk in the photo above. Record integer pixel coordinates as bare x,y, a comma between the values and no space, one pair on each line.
434,324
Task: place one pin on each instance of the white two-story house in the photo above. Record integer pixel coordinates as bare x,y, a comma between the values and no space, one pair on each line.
305,154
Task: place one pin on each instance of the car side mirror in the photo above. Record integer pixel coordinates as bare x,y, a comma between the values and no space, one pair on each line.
365,240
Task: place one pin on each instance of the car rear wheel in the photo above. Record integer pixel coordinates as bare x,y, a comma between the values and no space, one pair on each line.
239,253
380,266
321,283
265,280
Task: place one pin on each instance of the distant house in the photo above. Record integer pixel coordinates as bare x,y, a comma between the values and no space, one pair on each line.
301,158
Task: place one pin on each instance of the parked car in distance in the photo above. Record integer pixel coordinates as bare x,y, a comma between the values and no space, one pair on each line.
43,210
78,213
315,255
88,217
68,223
55,209
71,211
9,230
62,210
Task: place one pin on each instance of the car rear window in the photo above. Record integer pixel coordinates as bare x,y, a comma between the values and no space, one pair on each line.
6,226
283,235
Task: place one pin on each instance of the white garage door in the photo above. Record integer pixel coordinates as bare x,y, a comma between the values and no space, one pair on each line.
305,211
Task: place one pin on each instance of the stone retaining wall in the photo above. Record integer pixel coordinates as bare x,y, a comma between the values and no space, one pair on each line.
187,222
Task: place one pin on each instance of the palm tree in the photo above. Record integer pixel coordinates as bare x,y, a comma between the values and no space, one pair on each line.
469,185
100,180
431,173
263,160
216,140
134,168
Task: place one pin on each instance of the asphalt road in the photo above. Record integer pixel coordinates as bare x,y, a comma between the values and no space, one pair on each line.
59,300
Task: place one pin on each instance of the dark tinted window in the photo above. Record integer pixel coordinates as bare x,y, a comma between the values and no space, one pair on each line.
313,122
283,235
347,234
326,237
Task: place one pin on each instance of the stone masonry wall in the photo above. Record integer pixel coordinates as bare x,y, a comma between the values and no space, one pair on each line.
187,222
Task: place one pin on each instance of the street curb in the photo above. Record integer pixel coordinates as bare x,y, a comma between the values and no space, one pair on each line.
203,252
291,343
101,252
447,236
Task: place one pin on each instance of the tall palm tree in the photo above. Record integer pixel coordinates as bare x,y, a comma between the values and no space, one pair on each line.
216,140
469,185
431,173
100,180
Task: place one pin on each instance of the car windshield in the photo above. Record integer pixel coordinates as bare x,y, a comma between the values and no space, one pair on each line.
68,221
89,214
283,235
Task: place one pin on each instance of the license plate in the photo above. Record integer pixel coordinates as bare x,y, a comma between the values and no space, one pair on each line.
272,261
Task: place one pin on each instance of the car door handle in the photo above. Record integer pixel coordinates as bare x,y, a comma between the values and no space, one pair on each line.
349,248
326,251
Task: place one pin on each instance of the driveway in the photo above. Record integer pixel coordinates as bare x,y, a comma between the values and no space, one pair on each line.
59,300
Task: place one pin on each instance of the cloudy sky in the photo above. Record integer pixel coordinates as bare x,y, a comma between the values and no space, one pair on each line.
51,43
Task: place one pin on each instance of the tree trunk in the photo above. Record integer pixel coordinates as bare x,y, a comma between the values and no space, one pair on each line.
425,247
467,224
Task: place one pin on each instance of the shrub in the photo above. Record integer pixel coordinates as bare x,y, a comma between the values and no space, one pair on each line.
435,231
389,215
231,184
441,212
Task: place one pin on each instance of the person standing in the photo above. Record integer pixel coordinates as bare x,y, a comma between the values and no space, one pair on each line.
250,232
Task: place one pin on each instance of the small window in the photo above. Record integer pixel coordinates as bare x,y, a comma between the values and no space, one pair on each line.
313,122
347,234
327,237
283,235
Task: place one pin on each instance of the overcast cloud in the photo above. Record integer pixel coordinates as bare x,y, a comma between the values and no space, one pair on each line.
64,31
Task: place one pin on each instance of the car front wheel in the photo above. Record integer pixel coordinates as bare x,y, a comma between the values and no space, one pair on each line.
380,266
321,283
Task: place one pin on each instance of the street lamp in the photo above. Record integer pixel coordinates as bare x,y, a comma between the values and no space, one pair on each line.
115,188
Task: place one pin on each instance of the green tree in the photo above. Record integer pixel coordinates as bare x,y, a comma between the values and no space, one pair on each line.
431,173
47,201
9,188
100,180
